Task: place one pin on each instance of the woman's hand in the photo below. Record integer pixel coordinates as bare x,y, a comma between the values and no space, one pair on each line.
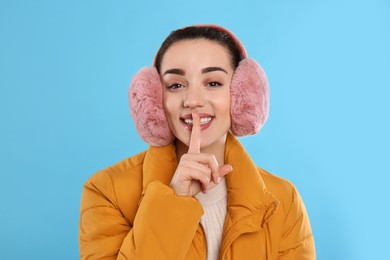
197,170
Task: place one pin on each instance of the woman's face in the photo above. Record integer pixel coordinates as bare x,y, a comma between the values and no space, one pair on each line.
196,76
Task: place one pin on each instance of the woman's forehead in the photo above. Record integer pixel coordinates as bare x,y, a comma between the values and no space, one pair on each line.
198,53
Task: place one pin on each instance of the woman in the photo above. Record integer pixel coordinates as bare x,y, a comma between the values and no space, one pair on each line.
195,193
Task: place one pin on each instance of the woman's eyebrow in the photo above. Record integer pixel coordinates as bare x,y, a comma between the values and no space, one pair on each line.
204,70
175,71
211,69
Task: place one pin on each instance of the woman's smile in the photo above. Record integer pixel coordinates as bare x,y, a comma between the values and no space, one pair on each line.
205,121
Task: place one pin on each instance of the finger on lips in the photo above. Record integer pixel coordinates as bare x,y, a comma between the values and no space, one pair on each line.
195,134
207,165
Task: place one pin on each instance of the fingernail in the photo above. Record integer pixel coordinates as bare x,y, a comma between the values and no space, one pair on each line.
218,179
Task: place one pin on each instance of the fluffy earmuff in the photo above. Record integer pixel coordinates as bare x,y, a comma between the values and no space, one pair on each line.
248,109
249,103
146,107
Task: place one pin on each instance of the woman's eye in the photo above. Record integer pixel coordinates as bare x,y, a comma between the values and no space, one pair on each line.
214,84
175,86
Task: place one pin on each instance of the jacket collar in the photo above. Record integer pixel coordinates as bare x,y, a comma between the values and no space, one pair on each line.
160,164
247,193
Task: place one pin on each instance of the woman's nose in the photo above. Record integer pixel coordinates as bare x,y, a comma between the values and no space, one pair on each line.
193,98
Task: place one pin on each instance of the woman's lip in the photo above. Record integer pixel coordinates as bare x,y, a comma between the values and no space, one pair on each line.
202,126
201,115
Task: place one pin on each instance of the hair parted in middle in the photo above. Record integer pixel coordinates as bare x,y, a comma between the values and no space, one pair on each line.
249,89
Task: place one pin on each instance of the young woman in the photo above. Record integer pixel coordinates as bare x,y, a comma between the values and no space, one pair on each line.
195,193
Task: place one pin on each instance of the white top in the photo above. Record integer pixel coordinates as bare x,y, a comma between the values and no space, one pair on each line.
215,207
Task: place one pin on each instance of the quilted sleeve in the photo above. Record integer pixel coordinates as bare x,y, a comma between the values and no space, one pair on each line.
163,228
297,241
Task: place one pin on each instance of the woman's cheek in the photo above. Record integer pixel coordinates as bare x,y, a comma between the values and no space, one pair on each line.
170,107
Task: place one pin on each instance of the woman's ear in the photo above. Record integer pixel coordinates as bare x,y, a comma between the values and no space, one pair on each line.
146,107
249,98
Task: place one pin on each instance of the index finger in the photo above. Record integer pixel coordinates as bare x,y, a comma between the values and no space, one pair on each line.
194,146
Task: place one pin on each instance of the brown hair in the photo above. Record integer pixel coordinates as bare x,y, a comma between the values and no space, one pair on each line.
197,32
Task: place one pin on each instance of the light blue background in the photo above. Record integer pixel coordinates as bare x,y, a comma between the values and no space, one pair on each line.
65,67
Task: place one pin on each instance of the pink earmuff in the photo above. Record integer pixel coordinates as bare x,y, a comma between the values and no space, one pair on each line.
249,100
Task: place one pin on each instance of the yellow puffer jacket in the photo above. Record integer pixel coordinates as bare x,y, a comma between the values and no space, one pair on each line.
128,211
